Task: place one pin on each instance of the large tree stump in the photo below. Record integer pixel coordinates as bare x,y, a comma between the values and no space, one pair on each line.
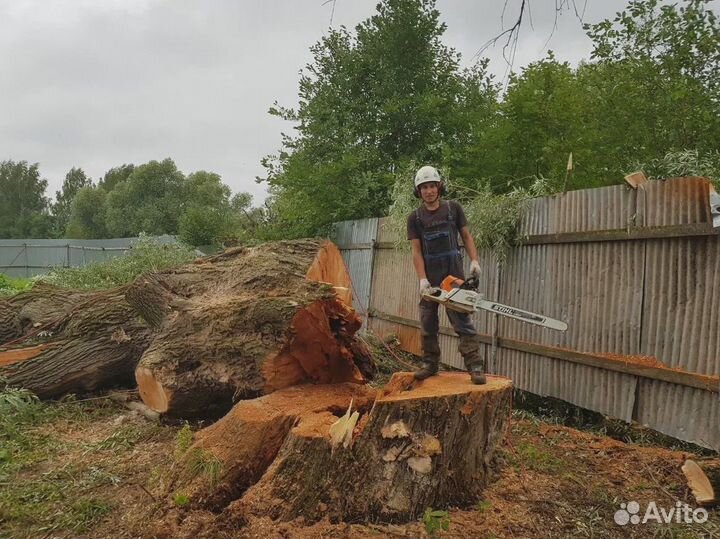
246,323
418,445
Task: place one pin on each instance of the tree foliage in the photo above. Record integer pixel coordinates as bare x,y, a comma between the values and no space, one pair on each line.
114,176
87,214
23,206
370,101
391,93
75,180
380,99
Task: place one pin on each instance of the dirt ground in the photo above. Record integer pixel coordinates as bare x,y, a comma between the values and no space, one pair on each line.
94,469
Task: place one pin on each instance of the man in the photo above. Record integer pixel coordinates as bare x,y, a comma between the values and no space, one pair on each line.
433,231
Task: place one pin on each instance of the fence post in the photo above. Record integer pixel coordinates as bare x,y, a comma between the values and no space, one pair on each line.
27,261
493,353
67,257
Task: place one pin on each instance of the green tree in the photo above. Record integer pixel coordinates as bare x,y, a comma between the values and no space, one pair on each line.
544,120
75,180
23,205
87,214
150,200
649,90
114,176
653,84
201,225
370,101
206,217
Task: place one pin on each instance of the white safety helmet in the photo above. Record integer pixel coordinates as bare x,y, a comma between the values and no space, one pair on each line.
426,174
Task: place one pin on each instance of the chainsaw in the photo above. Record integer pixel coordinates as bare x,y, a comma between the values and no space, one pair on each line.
462,296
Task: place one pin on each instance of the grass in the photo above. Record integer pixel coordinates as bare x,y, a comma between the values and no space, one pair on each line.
534,458
10,286
146,255
52,479
203,463
183,441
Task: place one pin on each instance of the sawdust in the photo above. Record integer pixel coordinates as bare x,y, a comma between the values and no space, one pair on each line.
577,499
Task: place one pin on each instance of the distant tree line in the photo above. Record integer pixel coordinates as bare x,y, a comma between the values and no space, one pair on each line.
154,198
376,101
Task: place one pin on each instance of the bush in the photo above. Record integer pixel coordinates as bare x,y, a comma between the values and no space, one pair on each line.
146,256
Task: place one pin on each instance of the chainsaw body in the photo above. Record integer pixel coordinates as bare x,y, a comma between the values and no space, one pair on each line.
462,296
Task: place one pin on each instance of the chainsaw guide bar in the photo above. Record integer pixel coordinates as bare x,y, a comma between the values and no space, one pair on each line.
457,295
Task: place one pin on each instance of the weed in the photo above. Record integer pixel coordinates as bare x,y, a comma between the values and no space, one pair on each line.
17,401
180,499
82,514
201,462
147,255
435,521
183,441
483,506
534,458
10,286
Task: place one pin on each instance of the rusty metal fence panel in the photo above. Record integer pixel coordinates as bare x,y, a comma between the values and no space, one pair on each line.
635,273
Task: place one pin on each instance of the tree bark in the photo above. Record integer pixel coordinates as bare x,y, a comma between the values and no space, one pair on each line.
227,327
245,323
90,341
416,445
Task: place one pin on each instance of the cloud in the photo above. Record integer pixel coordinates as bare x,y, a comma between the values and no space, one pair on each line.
98,84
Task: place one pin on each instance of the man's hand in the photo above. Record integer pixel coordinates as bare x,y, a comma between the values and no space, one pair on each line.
424,286
475,269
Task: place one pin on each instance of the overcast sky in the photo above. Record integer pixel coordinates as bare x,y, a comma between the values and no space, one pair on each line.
99,83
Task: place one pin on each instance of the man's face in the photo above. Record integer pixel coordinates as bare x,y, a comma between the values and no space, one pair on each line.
429,192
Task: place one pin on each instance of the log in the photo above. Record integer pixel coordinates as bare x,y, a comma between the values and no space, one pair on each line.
703,477
89,341
43,305
236,325
245,323
415,445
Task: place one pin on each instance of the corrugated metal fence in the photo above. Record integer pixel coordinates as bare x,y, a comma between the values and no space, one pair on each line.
27,258
634,273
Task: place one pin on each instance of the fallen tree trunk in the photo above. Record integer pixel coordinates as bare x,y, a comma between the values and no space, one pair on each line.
245,323
42,307
80,342
92,347
416,445
227,327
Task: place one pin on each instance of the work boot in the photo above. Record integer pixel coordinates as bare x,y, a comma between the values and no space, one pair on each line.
474,363
477,374
431,357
